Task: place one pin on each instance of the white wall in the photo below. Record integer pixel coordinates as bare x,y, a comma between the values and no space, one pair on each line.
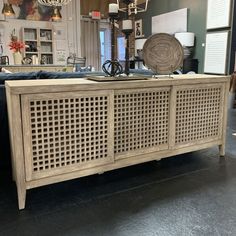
70,26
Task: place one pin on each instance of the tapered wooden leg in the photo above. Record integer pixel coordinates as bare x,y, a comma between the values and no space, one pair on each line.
17,144
21,197
222,150
13,170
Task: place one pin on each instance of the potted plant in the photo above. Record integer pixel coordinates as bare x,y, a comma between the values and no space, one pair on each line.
16,46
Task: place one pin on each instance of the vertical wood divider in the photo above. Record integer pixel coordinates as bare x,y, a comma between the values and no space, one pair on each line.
27,137
172,116
111,140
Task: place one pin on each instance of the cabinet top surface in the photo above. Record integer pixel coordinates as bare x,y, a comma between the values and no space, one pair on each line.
73,84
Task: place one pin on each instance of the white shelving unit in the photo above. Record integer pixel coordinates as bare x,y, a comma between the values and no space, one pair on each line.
39,43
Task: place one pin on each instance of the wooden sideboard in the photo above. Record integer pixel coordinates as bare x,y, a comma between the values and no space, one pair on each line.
35,68
65,129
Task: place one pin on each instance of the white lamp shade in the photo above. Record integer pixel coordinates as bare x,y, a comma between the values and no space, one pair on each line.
113,8
127,24
139,45
185,38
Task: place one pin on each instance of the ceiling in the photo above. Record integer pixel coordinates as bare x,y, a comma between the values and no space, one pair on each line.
100,5
91,5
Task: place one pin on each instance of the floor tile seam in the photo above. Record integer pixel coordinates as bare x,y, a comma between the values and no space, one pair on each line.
144,185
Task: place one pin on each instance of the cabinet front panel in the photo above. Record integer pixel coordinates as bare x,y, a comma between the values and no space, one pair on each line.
141,121
66,132
199,112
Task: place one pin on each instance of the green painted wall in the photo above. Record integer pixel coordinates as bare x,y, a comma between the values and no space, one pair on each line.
196,20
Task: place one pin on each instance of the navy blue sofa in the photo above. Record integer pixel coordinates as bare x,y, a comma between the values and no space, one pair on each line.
4,133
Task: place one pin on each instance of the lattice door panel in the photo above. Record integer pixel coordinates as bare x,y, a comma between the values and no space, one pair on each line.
141,121
66,132
198,114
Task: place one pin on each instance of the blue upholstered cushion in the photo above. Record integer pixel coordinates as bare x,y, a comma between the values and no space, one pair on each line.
63,75
18,76
46,75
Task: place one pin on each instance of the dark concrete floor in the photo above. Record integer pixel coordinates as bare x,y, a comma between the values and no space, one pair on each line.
192,194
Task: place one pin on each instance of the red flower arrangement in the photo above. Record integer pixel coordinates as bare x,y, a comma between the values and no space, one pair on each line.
16,45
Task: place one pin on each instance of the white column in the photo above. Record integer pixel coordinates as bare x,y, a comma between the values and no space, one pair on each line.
78,28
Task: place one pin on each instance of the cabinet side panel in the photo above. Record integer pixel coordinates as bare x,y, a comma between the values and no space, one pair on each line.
14,106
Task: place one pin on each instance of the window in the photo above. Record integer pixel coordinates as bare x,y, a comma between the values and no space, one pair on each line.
121,48
102,45
105,41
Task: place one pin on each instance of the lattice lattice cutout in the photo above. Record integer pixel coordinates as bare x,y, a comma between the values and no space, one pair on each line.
69,131
198,112
141,120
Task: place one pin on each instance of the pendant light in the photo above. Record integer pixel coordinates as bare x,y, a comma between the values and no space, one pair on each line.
56,15
57,3
7,10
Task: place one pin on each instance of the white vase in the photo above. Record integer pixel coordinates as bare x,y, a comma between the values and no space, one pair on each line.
17,58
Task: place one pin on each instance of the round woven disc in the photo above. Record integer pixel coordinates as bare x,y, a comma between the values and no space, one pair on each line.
163,53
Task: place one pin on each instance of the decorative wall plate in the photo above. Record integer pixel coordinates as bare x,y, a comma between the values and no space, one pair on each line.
163,53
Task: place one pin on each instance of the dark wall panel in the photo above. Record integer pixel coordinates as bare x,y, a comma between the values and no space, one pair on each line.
233,42
196,20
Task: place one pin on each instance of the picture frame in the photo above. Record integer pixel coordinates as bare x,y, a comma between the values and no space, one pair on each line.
216,52
218,14
138,28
